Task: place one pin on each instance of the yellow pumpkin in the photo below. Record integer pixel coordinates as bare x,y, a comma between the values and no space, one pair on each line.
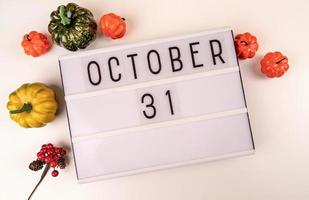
32,105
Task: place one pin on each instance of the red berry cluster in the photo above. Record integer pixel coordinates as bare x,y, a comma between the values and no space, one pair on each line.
50,155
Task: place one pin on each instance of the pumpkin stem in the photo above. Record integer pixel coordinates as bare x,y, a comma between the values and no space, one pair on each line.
41,179
63,15
28,38
244,42
280,61
27,107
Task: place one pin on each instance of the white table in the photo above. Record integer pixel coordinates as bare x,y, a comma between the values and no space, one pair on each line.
279,108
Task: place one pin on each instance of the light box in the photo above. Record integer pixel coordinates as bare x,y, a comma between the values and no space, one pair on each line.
156,104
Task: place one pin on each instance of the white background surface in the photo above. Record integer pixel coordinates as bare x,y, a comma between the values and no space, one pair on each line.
279,108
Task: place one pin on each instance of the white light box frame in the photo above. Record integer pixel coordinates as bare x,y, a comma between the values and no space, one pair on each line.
155,104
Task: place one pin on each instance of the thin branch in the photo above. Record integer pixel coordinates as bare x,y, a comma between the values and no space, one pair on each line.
42,177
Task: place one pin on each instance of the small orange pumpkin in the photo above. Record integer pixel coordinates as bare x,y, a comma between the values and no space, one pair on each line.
113,26
274,64
246,45
35,44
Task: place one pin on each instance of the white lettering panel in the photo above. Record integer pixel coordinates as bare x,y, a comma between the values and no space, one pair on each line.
182,99
114,67
157,104
162,146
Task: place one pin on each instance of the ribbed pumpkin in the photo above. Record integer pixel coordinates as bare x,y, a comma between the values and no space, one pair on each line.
246,45
32,105
72,26
113,26
274,64
35,44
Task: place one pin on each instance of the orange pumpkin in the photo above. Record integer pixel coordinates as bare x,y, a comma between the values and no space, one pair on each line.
35,44
246,45
113,26
274,64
